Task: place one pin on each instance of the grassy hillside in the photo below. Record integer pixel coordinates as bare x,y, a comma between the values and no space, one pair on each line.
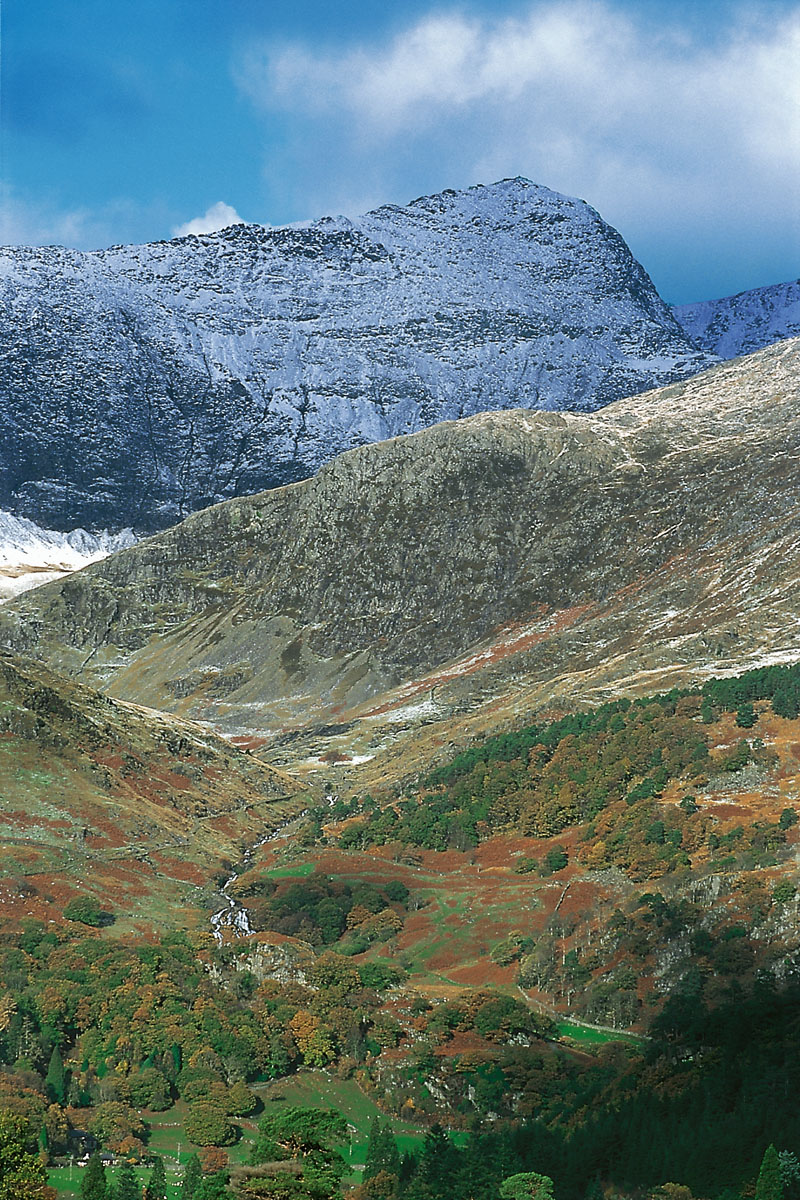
139,810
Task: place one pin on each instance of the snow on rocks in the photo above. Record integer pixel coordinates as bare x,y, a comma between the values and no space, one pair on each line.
746,322
31,555
140,383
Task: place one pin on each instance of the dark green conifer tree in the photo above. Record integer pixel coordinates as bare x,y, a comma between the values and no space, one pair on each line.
408,1166
157,1184
382,1153
438,1161
215,1187
770,1182
56,1078
371,1167
93,1180
482,1165
127,1185
192,1178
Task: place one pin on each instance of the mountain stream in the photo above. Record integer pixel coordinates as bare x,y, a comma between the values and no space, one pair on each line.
233,915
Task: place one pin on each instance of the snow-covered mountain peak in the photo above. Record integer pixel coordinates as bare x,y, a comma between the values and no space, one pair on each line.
138,383
504,206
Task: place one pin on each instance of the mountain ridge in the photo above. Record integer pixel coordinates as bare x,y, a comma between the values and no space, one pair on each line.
246,358
746,322
546,553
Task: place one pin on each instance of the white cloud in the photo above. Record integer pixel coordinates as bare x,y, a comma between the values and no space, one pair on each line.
26,222
587,69
656,126
218,216
43,220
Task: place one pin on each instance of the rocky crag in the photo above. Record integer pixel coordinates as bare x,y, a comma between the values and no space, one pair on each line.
140,383
462,575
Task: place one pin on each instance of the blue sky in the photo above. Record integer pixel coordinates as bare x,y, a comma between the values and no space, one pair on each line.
680,122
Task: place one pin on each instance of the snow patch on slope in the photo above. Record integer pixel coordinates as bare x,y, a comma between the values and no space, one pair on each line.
31,555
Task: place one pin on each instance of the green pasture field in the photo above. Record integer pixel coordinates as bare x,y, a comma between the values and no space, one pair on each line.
69,1189
300,871
167,1139
315,1089
577,1032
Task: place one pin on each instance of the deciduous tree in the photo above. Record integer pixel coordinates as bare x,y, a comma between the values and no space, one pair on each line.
22,1176
311,1135
207,1125
529,1185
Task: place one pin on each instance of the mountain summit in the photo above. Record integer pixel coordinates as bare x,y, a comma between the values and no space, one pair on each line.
141,383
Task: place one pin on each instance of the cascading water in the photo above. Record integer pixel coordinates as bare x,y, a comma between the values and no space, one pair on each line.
233,915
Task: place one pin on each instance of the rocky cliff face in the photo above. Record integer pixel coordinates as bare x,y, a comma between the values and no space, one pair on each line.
138,384
515,554
746,322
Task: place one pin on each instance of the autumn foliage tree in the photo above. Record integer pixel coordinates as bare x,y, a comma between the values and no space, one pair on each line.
22,1176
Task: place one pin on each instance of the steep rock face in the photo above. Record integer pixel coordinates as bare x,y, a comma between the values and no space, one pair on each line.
138,384
512,550
746,322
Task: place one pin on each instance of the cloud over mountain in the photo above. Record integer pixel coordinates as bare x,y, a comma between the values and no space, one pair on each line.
217,216
654,123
